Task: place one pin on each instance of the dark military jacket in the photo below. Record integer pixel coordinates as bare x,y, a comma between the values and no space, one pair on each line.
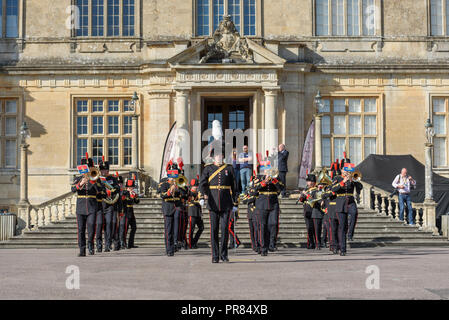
268,194
250,199
193,204
113,181
221,190
87,196
128,201
344,193
170,201
330,203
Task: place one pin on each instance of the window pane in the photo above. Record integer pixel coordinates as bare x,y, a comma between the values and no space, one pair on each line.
113,106
81,149
249,11
234,12
439,153
368,17
355,150
337,18
12,19
370,105
113,17
97,18
438,105
10,153
355,105
127,106
83,18
218,12
113,127
339,148
370,146
339,125
339,105
11,106
436,17
326,152
97,150
81,126
326,107
127,151
10,126
322,17
326,125
113,151
97,106
97,125
128,18
81,106
370,125
439,123
355,125
202,17
353,18
127,125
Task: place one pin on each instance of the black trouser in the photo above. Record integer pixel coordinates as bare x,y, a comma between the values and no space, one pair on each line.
169,232
133,226
317,227
99,222
219,220
340,230
310,232
264,233
116,229
123,228
178,224
233,238
195,221
109,225
273,226
84,221
256,231
326,230
352,218
282,175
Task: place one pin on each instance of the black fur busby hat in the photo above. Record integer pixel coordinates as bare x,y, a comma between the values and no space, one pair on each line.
311,177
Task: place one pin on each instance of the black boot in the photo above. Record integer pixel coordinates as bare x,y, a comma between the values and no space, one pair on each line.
123,245
82,253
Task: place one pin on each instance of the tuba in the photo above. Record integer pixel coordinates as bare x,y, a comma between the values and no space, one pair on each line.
113,198
324,179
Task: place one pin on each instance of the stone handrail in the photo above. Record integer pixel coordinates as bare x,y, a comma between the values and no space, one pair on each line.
379,200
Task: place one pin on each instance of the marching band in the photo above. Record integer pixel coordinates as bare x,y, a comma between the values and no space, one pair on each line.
105,205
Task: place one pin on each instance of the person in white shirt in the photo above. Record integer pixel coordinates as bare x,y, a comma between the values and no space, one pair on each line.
403,183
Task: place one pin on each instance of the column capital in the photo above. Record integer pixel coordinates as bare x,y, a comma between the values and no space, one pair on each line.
271,91
180,92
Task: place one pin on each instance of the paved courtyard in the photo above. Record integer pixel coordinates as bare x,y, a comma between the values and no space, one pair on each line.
391,273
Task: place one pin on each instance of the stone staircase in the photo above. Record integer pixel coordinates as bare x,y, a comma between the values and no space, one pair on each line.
372,230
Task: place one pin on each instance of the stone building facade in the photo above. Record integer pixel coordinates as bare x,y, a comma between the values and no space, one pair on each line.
380,65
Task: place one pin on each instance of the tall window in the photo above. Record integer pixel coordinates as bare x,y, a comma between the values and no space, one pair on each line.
103,127
348,125
439,19
8,133
112,18
9,18
345,17
440,122
242,12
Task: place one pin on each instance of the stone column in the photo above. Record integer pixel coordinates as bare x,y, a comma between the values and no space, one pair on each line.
318,157
271,133
428,171
182,126
429,214
135,142
23,205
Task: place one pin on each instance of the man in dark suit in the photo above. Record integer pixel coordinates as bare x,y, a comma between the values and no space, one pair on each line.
283,167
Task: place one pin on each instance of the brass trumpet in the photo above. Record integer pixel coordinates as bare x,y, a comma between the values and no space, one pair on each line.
93,173
356,176
181,181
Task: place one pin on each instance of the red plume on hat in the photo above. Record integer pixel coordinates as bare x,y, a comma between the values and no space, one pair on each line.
192,182
180,163
169,164
87,156
130,183
259,157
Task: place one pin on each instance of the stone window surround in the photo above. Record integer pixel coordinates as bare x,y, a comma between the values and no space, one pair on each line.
380,113
431,96
73,136
21,27
19,118
378,31
258,20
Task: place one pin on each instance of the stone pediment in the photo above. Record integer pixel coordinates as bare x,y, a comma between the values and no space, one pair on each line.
195,56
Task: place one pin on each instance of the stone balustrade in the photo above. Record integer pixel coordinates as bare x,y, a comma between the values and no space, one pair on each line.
379,200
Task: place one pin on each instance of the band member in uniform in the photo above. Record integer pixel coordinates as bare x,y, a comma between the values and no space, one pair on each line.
99,217
330,205
267,206
194,205
110,209
305,195
345,204
130,198
217,184
119,216
249,198
86,207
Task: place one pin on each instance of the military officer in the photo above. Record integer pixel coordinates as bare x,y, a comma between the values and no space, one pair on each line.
267,206
217,184
130,198
87,191
119,216
194,211
306,195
